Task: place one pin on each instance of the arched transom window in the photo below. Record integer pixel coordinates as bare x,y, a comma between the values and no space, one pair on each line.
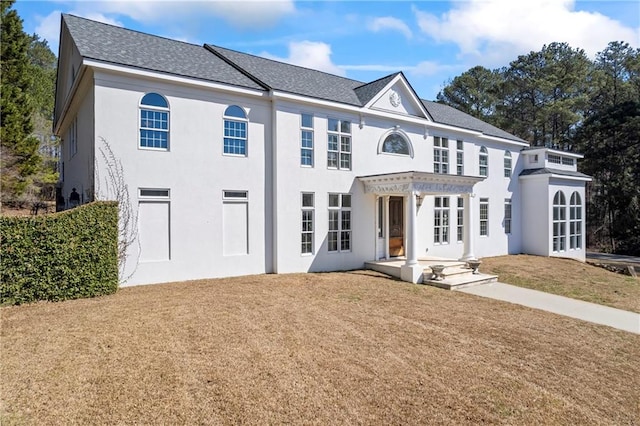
154,122
483,161
507,164
235,131
395,142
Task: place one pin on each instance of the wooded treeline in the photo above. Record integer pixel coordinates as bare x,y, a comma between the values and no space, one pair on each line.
559,98
28,150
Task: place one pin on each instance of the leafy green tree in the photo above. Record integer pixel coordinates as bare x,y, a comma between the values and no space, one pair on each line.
19,149
473,92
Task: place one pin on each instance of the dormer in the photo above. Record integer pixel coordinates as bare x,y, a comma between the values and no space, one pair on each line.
547,158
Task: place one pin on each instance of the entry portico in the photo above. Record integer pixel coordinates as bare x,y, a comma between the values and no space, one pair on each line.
413,186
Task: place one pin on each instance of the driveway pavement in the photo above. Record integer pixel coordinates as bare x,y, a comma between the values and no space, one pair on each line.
591,312
617,258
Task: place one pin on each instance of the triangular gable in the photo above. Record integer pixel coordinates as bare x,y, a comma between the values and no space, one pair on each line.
398,97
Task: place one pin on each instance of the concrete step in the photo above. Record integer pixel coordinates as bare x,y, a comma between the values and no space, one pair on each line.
460,280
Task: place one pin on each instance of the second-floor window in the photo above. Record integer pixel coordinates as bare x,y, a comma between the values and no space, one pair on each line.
507,164
306,140
459,157
235,131
154,122
440,155
483,161
339,144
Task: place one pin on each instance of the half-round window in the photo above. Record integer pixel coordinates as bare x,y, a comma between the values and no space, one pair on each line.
395,143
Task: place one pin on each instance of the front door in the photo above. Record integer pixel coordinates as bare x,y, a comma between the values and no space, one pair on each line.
396,226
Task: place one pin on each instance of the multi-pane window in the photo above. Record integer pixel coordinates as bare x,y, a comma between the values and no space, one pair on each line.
154,122
459,157
339,235
507,164
307,222
460,228
484,217
441,220
440,155
567,161
395,143
507,215
235,131
339,144
306,140
575,222
559,222
555,159
483,161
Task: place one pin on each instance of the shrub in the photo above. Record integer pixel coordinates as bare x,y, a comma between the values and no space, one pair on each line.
67,255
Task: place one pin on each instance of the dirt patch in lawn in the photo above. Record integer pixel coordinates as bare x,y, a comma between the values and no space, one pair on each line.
337,348
569,278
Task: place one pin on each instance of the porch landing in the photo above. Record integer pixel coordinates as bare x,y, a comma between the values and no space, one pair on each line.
456,274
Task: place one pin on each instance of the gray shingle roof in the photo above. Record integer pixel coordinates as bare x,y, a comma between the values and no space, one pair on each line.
109,43
112,44
445,114
549,171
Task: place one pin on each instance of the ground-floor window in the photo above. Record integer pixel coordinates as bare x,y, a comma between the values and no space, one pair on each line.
507,215
575,222
441,220
307,222
559,222
460,227
484,217
339,235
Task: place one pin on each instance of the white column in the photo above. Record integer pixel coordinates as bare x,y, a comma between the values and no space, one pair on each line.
376,226
412,230
469,232
386,226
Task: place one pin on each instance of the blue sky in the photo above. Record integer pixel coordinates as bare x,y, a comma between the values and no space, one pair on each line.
430,41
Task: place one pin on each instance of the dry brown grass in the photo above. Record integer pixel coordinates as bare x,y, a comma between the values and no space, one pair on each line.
338,348
568,278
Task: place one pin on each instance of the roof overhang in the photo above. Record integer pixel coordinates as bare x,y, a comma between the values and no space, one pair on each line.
422,182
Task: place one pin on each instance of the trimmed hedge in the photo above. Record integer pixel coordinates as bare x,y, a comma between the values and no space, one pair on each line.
67,255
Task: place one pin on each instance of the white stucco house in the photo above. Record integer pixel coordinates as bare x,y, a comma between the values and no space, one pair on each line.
238,164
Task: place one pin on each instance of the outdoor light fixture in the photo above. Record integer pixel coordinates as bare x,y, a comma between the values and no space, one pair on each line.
419,200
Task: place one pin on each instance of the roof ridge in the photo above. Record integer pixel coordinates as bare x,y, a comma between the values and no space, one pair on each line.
378,79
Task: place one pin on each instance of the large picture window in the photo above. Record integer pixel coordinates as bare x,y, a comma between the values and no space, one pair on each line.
339,144
339,236
559,222
154,122
441,220
235,131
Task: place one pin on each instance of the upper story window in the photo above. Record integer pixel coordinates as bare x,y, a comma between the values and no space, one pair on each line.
507,164
483,161
306,140
440,155
459,157
154,122
396,143
235,131
339,144
555,159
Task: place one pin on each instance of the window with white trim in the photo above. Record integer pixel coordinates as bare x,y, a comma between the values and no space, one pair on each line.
339,144
507,215
575,222
566,161
441,220
154,122
559,222
308,206
483,161
554,158
459,157
396,143
306,140
484,217
507,164
235,131
460,227
339,235
440,155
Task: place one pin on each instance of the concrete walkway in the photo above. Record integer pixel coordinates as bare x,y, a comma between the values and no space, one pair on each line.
591,312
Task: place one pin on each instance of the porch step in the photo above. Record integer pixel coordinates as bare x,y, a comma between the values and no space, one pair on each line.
457,275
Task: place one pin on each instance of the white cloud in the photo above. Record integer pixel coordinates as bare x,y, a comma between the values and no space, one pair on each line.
390,23
494,32
309,54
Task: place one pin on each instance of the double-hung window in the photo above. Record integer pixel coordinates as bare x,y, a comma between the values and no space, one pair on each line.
306,140
154,122
441,220
440,155
339,144
339,236
459,157
483,161
484,217
460,229
308,205
235,131
507,216
507,164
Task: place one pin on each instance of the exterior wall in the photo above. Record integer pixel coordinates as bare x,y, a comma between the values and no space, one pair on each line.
568,188
193,169
536,216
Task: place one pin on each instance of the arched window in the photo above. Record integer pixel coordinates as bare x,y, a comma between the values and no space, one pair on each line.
235,131
559,222
507,164
483,161
575,222
154,122
395,142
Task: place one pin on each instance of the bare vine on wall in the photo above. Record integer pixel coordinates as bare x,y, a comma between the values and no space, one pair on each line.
116,189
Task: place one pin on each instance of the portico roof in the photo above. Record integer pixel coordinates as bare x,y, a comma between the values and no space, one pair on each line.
422,182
